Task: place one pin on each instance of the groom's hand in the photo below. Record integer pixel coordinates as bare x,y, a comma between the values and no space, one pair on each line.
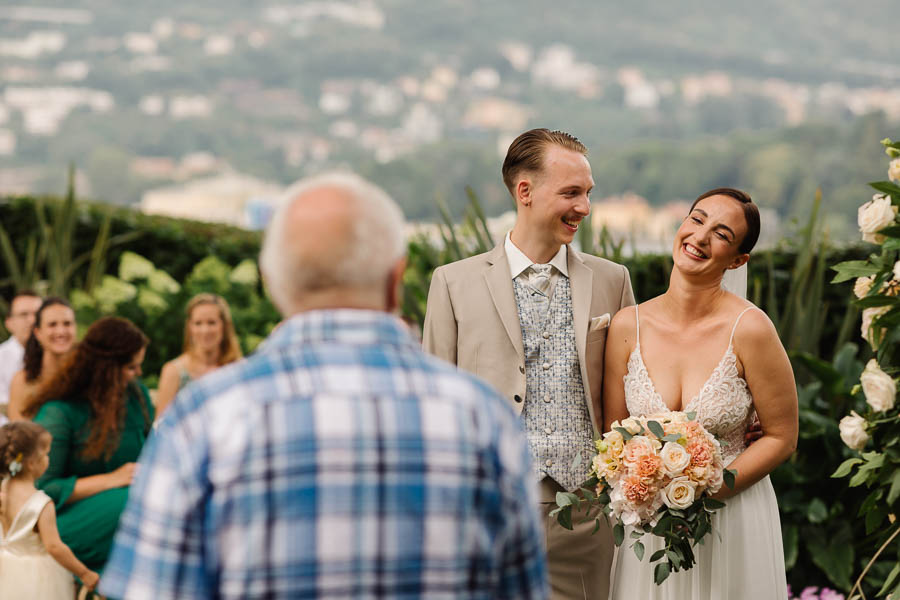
754,431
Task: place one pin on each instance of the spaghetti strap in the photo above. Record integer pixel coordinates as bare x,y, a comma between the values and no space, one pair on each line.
738,320
638,323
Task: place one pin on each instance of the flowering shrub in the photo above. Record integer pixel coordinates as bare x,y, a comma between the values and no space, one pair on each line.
878,428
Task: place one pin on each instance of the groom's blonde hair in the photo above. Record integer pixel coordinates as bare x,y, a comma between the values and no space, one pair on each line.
526,153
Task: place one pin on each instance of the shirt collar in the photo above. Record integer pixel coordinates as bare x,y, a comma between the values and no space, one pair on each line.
518,262
344,325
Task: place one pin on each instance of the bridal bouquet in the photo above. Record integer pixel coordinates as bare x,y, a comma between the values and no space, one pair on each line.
655,474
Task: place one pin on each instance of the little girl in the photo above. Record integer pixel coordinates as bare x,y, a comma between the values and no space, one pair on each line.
33,559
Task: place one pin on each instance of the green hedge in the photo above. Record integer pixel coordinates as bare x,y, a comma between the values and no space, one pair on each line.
813,317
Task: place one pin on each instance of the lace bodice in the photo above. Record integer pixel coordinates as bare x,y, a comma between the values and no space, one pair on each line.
22,539
724,405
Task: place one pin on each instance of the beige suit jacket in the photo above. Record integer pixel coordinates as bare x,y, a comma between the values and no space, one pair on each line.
471,320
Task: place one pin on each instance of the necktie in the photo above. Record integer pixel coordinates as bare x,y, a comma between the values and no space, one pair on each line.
539,278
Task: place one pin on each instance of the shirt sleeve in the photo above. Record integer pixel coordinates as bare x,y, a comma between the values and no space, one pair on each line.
55,481
158,551
521,543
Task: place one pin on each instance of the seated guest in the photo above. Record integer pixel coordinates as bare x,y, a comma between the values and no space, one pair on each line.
19,321
52,337
209,343
99,415
339,461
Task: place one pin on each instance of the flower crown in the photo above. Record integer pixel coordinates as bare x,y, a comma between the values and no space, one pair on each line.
15,467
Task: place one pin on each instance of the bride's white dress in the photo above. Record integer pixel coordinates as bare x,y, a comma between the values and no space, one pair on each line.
743,557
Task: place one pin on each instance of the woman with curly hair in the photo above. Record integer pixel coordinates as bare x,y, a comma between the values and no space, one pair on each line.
51,338
99,415
209,343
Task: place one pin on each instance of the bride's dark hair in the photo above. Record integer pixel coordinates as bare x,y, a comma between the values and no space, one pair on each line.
751,214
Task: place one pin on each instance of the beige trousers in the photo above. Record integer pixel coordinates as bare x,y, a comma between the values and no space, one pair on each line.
579,563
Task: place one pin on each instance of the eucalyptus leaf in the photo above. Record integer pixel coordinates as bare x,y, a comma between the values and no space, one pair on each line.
625,433
661,573
656,429
639,550
728,476
618,534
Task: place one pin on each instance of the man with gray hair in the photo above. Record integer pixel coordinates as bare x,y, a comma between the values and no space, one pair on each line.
338,461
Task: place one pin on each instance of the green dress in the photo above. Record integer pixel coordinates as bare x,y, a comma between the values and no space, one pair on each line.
88,525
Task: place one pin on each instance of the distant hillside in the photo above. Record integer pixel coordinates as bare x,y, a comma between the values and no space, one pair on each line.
423,96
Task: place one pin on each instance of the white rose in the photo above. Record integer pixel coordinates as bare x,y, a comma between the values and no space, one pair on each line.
868,315
874,216
631,425
853,431
879,387
894,170
897,270
675,459
679,493
862,286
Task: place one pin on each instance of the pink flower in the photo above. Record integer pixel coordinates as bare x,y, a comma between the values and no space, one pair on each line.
701,453
636,490
647,466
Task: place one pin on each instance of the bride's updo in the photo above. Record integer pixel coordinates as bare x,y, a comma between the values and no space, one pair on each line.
751,214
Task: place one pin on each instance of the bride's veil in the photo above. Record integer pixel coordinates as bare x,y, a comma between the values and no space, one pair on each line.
735,281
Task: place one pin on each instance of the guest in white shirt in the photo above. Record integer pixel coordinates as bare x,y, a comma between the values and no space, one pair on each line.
52,336
22,310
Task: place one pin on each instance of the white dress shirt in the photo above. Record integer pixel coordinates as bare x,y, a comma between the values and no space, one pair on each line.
519,263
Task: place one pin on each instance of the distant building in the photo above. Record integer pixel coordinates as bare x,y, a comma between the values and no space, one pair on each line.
229,198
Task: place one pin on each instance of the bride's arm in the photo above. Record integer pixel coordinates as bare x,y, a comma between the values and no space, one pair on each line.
770,378
619,342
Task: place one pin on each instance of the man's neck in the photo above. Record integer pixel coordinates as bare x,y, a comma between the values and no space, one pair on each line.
534,248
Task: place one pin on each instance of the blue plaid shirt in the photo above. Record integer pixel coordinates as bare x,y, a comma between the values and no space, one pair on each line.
339,461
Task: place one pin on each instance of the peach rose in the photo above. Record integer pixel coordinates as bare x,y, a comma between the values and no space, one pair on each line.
637,447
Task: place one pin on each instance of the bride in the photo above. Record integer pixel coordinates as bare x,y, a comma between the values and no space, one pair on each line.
698,348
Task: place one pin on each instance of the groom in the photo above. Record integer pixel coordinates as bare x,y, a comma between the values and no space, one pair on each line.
530,317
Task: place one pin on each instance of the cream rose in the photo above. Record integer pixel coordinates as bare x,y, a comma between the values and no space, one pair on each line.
894,170
675,459
631,425
869,315
897,270
862,286
853,431
679,493
874,216
879,387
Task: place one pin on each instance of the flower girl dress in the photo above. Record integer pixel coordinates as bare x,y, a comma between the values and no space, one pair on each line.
26,569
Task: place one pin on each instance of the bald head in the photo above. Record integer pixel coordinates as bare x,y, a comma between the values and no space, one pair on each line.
336,241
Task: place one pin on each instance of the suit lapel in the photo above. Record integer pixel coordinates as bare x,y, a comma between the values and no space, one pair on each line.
500,286
581,282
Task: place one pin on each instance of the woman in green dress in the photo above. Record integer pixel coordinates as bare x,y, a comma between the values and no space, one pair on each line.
99,415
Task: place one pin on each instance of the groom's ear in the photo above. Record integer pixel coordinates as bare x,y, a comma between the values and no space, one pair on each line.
523,191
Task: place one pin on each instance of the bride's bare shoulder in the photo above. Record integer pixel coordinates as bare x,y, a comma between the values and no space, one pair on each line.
755,327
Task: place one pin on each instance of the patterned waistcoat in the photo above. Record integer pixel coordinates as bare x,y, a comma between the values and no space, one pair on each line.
555,411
